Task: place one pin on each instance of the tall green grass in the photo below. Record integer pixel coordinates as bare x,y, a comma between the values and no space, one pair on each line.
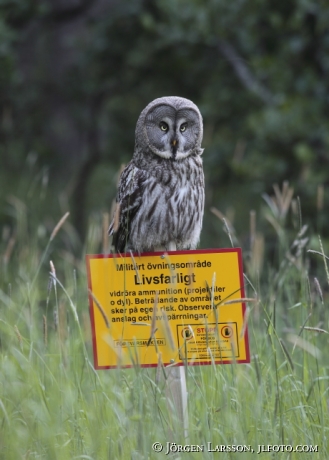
54,405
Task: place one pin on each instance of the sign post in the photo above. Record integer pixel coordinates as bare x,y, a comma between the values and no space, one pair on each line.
177,307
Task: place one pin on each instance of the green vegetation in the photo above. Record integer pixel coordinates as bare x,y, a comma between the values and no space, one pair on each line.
54,405
76,75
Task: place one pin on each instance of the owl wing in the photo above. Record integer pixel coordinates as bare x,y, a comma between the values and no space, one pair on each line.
128,201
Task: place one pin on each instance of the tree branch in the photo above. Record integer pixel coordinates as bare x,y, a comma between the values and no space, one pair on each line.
244,74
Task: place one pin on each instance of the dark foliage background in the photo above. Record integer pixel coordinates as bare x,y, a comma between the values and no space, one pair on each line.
75,74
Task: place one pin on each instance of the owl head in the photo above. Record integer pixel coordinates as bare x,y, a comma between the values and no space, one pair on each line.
171,127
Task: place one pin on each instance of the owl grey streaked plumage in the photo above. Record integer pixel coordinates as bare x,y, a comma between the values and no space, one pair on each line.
160,199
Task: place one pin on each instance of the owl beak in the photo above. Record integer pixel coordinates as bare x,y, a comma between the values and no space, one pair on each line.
174,146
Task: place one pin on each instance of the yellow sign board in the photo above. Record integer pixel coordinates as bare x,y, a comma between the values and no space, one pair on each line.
180,307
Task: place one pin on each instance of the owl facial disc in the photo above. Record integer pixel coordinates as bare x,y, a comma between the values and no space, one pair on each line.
172,128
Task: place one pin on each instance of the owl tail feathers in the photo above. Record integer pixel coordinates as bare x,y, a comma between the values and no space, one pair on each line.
119,231
115,224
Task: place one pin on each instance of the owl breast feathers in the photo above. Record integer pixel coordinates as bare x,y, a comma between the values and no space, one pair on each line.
160,199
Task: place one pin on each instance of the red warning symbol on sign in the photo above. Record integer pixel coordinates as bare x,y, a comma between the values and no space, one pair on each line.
187,333
226,332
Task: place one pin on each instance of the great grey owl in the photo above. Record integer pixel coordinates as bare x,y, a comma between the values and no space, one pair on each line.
160,199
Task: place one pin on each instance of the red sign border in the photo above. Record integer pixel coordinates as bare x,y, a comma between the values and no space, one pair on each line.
88,257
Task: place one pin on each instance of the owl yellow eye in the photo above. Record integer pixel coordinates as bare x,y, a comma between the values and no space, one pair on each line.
183,127
163,126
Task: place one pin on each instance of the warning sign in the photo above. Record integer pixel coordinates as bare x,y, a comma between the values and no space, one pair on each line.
217,340
184,305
